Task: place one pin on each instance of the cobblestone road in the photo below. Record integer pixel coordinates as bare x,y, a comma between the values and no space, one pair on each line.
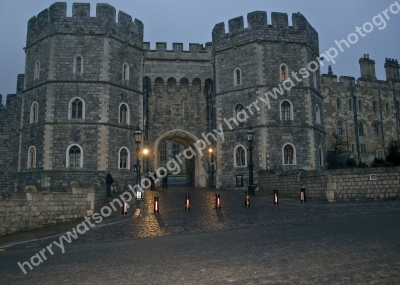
293,243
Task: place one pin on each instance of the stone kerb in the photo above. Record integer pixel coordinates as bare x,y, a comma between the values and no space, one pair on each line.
258,30
54,20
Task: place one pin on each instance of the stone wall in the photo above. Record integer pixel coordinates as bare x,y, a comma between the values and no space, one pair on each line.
46,208
335,185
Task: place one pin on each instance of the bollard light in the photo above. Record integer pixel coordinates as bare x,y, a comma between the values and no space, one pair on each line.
156,205
217,201
139,195
246,199
187,203
276,197
303,195
124,209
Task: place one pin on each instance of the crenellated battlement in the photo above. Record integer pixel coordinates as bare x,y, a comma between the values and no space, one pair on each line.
177,52
259,30
54,20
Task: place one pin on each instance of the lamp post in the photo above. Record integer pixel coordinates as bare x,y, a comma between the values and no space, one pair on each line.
250,134
138,139
211,156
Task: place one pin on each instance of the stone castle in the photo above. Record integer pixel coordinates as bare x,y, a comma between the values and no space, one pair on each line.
90,81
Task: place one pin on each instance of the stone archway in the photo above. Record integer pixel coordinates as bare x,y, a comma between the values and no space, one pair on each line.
186,139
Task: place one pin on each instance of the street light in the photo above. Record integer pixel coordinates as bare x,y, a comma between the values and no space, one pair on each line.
138,138
250,134
146,152
211,156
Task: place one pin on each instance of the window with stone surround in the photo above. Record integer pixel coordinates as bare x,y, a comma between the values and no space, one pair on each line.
320,156
125,71
338,104
163,152
124,114
375,129
289,154
361,129
339,128
380,153
237,77
36,73
78,64
318,114
363,148
240,113
76,108
374,107
283,72
123,158
360,105
32,157
240,157
350,104
74,156
34,113
286,111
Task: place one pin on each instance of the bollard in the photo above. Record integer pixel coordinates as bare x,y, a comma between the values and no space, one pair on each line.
303,195
276,197
217,201
187,203
156,206
246,200
125,209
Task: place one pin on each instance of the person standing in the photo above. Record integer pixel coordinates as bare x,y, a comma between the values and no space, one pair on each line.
153,178
165,181
109,182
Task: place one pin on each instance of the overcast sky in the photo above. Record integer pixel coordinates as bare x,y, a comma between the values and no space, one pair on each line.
188,21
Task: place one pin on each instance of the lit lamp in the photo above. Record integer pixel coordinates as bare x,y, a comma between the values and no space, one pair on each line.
138,138
211,156
146,152
250,134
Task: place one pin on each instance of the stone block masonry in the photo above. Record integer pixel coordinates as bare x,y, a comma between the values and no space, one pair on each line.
336,185
45,208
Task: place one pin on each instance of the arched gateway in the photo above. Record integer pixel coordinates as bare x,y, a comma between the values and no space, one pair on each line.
193,167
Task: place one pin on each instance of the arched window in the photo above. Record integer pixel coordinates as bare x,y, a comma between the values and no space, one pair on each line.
374,107
171,85
375,129
318,114
237,77
360,129
34,112
283,72
76,108
124,114
184,85
339,128
32,157
74,156
159,85
125,71
320,156
36,73
350,104
289,154
360,105
338,104
286,110
240,113
240,158
78,64
123,158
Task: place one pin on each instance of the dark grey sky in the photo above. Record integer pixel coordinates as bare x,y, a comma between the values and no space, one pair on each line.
192,22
